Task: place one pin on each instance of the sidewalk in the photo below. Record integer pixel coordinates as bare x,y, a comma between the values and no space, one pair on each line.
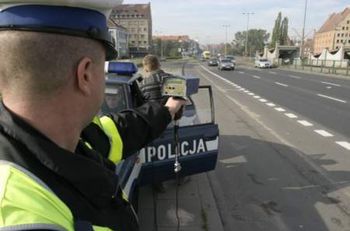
197,207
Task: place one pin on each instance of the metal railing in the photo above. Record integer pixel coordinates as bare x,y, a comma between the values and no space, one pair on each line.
320,66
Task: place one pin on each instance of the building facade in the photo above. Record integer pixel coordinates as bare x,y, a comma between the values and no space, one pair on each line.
120,36
334,33
137,19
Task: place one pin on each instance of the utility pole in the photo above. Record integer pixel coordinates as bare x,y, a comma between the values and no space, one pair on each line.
303,32
246,36
226,26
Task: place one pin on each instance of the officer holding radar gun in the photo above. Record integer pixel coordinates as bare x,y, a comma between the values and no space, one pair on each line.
57,160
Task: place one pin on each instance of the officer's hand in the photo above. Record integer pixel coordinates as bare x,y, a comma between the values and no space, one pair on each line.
174,105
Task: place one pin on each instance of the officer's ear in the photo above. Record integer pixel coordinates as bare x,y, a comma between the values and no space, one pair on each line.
84,75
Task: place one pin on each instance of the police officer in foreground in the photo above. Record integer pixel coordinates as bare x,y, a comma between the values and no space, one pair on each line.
57,167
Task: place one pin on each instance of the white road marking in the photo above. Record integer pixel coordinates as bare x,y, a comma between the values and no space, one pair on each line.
221,89
281,84
274,73
332,98
323,133
241,72
305,123
263,100
295,77
279,109
246,91
257,97
257,77
251,94
344,144
271,104
333,84
328,87
291,115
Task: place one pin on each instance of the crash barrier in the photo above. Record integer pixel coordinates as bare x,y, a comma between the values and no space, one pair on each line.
318,66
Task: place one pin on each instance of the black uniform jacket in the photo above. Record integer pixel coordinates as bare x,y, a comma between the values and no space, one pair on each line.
85,180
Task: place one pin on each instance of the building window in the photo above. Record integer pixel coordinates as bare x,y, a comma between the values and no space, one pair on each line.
338,35
343,27
145,42
348,22
132,41
337,40
342,35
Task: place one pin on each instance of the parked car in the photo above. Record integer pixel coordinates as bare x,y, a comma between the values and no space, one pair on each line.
226,64
263,63
213,62
198,134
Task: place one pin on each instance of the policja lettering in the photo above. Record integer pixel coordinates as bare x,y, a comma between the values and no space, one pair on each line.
163,152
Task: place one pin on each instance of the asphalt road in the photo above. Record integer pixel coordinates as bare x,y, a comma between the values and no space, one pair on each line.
284,149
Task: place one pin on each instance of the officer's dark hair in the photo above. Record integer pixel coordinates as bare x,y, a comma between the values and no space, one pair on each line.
38,64
152,62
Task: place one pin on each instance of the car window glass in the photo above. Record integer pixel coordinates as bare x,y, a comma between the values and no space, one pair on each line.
114,100
202,103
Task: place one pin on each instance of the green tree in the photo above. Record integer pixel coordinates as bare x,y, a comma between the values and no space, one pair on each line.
284,32
280,31
276,33
256,41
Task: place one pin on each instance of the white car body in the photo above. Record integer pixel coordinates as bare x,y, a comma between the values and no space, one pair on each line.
263,63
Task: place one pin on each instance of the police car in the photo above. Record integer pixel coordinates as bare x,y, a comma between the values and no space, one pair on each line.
198,133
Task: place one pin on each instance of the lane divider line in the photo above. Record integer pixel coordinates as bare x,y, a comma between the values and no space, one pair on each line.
344,144
291,115
305,123
333,84
280,109
271,104
323,133
263,100
256,77
281,84
295,77
257,97
332,98
272,72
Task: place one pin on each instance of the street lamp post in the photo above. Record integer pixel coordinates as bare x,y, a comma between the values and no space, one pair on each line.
246,36
161,43
303,32
226,26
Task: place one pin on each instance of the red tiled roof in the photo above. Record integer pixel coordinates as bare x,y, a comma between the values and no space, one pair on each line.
333,20
173,37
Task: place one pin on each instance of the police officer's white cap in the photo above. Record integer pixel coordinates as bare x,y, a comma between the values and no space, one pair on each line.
85,18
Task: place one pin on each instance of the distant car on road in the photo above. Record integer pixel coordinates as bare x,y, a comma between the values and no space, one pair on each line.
213,62
231,57
226,64
263,63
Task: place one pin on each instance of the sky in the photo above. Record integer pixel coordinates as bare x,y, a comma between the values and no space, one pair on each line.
204,20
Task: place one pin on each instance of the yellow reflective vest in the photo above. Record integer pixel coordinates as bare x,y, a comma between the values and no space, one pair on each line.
111,130
26,203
